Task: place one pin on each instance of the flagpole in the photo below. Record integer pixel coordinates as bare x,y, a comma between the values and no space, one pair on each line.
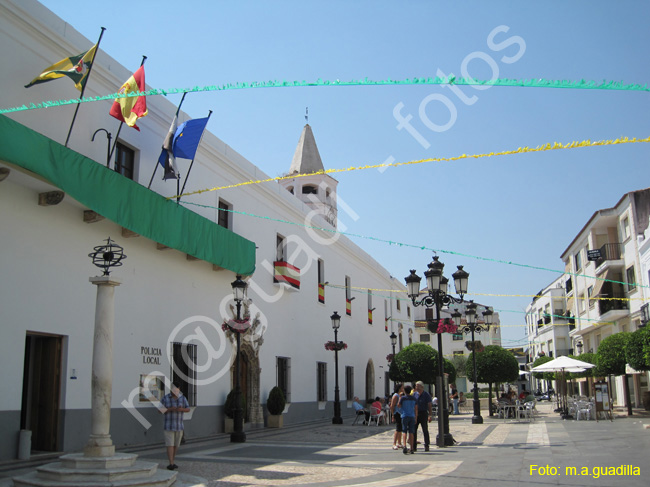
83,88
156,166
110,155
178,198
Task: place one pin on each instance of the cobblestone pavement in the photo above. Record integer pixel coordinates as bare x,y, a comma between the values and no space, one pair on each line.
500,453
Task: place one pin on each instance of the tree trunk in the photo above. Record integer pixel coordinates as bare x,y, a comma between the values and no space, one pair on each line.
626,391
490,398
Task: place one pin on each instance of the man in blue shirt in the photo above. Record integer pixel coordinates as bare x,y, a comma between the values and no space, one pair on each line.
424,403
409,407
360,409
175,404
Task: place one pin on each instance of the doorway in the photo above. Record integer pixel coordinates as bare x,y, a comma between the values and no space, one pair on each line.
42,390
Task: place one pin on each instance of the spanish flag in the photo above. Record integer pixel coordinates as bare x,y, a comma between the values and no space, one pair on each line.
285,272
370,317
348,307
74,67
130,108
321,293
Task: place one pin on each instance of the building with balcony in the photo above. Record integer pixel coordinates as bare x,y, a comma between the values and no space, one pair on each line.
548,324
58,202
604,276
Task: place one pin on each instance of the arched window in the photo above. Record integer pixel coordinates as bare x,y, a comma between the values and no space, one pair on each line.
309,189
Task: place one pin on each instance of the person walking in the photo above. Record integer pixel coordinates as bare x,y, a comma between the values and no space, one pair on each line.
409,407
174,405
425,413
396,414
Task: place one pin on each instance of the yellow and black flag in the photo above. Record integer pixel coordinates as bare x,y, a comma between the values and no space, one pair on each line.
74,67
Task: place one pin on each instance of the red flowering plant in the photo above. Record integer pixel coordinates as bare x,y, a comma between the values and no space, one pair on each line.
331,346
447,326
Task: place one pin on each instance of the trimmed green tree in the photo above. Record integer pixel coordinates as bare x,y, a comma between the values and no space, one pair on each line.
494,365
610,358
418,361
635,349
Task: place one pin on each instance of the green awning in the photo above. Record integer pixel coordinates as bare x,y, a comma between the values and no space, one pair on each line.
124,201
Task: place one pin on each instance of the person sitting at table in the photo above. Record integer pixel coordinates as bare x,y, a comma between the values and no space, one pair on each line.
360,409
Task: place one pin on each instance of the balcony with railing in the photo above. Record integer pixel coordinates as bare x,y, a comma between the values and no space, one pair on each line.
613,306
611,254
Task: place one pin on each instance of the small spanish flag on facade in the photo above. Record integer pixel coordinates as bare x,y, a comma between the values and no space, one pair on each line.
321,292
285,272
348,307
370,317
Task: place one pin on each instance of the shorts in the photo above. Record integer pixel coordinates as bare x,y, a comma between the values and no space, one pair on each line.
173,438
408,424
398,422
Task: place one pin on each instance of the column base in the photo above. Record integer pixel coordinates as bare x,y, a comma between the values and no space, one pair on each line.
99,446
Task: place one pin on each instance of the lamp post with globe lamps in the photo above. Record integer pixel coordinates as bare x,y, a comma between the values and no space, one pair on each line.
472,326
437,297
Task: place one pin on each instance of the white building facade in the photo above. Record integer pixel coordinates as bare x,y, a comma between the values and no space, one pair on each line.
58,203
602,291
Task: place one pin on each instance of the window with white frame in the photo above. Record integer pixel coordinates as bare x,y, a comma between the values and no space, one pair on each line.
630,279
321,381
577,260
283,369
225,214
349,383
280,248
625,228
590,293
124,160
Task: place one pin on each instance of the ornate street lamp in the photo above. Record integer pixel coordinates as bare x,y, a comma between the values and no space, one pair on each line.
393,342
437,297
579,346
472,326
336,323
239,292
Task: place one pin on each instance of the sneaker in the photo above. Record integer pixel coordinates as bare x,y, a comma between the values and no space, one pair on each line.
405,451
426,447
412,452
395,447
170,467
175,467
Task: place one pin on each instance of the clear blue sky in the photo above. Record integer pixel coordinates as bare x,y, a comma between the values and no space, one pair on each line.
520,208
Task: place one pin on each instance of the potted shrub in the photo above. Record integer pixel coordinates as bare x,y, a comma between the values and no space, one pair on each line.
229,411
275,405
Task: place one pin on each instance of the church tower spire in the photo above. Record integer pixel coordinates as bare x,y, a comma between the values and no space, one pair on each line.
317,190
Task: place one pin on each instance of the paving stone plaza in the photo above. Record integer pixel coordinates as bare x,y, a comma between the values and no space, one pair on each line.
548,450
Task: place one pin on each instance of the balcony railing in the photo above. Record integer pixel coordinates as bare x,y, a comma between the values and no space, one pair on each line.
610,251
547,319
617,303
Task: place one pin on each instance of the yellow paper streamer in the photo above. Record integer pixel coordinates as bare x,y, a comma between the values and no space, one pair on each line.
520,150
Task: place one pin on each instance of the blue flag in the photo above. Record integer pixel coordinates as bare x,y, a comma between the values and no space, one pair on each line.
187,138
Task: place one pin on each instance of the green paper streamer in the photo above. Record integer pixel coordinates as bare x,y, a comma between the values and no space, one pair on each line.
421,247
450,80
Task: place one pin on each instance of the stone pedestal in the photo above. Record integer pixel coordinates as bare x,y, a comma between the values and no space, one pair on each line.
118,470
99,465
